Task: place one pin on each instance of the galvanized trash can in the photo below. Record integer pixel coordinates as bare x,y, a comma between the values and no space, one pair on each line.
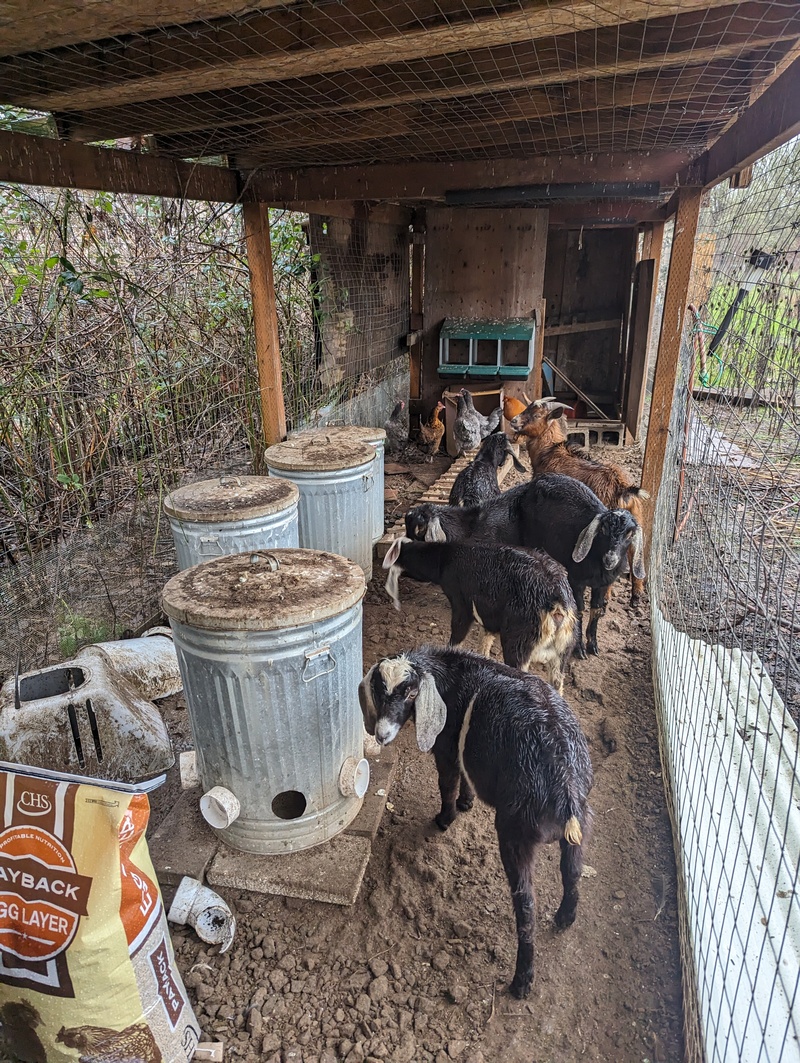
269,647
231,514
336,478
376,437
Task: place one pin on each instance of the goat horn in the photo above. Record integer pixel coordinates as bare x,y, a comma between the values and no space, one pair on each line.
585,539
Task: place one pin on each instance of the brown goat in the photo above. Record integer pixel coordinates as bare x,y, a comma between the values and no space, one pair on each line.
549,451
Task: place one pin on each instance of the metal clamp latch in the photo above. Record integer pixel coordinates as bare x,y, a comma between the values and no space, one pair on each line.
315,660
209,544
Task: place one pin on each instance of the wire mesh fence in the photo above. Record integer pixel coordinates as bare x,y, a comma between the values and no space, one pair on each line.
128,367
725,601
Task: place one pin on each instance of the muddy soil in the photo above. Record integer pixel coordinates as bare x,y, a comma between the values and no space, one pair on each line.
418,968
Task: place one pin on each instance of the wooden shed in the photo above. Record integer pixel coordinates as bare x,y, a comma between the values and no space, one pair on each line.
494,158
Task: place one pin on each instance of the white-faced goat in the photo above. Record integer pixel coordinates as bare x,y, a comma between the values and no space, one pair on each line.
511,739
522,596
478,482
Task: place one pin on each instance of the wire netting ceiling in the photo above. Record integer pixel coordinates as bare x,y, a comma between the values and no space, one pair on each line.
287,85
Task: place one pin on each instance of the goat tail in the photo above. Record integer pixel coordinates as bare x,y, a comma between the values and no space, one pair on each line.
573,834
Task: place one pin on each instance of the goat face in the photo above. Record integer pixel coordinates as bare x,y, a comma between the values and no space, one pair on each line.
496,448
612,534
424,526
391,691
534,421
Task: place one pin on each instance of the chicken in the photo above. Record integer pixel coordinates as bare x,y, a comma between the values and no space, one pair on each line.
431,432
492,422
467,427
512,407
397,429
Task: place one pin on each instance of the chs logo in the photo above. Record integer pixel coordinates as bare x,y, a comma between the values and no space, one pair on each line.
33,804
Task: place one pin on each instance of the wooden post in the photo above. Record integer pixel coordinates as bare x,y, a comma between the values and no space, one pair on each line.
265,321
680,269
415,353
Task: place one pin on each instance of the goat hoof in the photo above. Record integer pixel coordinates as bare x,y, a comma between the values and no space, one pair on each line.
564,918
580,653
442,823
464,805
591,647
521,986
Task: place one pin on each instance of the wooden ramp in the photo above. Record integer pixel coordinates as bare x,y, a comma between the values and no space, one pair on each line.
438,493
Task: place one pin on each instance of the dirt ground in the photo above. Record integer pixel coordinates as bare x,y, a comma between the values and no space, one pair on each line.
418,968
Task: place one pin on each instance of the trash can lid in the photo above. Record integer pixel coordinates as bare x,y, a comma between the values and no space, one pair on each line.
263,590
231,498
318,452
360,433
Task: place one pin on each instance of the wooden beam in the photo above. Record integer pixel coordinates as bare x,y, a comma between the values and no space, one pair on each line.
300,41
415,181
644,284
680,268
29,160
696,37
382,213
720,87
265,321
583,326
54,24
417,323
604,215
772,120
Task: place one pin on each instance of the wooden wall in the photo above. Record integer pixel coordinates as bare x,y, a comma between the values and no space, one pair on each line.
588,283
479,263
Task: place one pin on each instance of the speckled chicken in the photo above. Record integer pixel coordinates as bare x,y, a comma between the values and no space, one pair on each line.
467,426
397,429
431,431
486,424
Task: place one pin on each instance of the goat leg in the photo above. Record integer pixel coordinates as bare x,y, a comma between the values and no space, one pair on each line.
449,780
637,585
466,795
596,609
571,867
517,857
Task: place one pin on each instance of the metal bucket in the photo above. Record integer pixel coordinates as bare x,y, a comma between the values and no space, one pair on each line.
376,437
269,647
230,515
336,478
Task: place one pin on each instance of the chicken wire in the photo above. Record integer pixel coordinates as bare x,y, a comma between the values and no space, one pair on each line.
128,367
725,606
287,85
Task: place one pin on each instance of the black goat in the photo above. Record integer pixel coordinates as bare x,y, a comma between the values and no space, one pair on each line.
524,596
478,482
564,518
511,739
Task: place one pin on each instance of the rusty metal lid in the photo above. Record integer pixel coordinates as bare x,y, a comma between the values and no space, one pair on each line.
231,498
318,452
360,433
264,590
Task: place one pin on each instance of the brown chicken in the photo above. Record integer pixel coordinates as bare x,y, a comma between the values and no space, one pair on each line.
431,432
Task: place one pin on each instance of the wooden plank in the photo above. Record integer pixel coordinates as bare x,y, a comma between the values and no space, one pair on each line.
376,213
583,326
29,160
680,269
636,378
604,215
696,37
417,275
265,321
772,120
430,180
54,24
301,41
719,85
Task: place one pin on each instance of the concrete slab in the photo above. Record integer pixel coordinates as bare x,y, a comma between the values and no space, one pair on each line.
184,844
332,872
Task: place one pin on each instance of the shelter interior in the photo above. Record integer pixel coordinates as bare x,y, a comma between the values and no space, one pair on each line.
495,159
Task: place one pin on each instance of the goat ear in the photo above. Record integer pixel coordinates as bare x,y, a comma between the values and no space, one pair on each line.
585,539
434,532
368,710
638,554
392,585
430,713
393,552
517,463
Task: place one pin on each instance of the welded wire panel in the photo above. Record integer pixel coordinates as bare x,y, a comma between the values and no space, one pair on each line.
725,601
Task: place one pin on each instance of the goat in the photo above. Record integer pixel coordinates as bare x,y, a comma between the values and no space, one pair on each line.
478,482
511,739
438,524
565,518
523,596
551,453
